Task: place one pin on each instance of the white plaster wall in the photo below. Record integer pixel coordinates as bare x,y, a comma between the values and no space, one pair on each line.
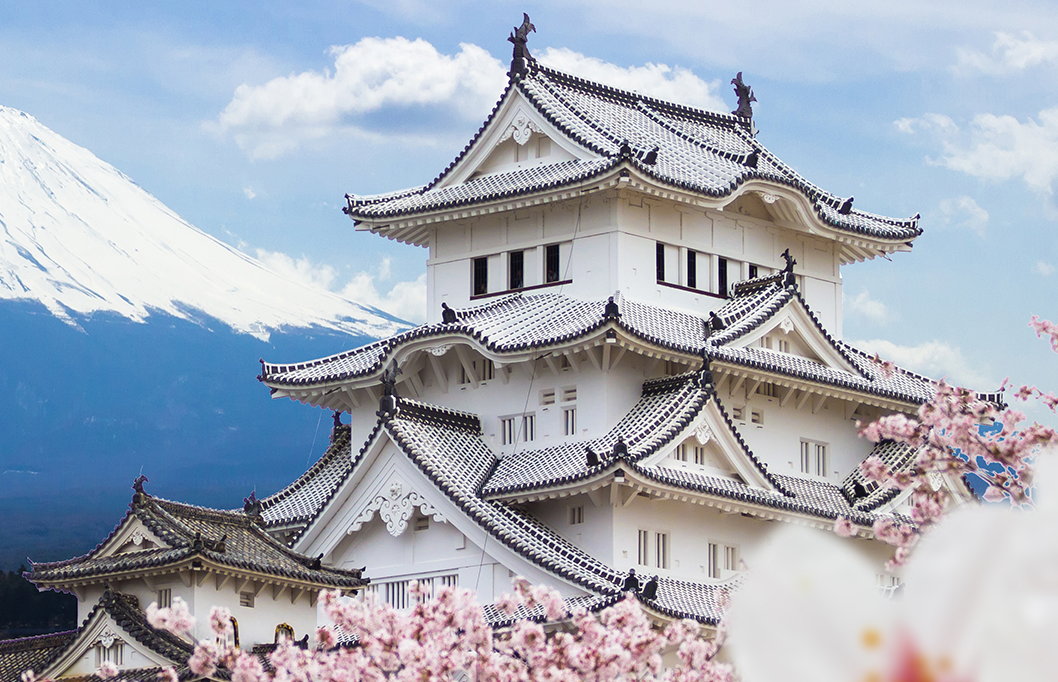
257,624
778,441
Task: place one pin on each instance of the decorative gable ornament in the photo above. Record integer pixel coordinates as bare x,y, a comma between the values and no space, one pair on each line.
703,434
395,509
786,325
521,129
108,638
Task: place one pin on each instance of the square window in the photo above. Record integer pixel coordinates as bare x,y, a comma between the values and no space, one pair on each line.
756,417
569,394
547,396
738,414
814,458
422,522
246,599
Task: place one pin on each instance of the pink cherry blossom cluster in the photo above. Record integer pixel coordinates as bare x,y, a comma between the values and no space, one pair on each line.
445,636
950,441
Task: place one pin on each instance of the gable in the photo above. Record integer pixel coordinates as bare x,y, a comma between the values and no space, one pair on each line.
131,536
517,137
103,638
709,446
793,332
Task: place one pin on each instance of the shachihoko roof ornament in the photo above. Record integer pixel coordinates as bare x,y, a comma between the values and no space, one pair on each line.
521,57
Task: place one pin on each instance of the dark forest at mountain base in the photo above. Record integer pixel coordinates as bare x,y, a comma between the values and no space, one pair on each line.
25,612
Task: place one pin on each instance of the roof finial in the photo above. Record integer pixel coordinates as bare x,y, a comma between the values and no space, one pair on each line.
788,274
448,316
745,96
137,485
519,37
388,403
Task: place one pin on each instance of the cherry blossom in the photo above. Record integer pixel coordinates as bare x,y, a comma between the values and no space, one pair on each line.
980,604
176,618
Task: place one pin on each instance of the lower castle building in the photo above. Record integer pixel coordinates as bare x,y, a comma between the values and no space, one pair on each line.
633,370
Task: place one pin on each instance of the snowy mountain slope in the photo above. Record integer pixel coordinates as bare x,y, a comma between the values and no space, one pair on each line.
80,237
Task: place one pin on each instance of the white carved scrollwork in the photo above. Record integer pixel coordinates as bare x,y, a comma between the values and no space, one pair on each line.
395,509
703,434
438,351
767,198
786,325
520,129
108,638
138,537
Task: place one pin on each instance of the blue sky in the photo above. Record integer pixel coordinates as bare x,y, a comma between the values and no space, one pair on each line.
251,120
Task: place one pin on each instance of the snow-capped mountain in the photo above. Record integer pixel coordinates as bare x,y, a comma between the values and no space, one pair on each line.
79,236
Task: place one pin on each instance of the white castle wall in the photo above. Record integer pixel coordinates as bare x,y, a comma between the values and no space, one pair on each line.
608,242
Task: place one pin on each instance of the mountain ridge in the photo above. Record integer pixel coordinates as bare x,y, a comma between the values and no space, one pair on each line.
81,237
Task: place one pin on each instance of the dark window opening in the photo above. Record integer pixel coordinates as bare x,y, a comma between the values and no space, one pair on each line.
721,277
551,265
516,270
752,271
661,261
481,276
692,269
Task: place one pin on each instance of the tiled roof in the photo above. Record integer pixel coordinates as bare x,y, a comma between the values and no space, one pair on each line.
867,495
300,500
666,408
521,321
232,539
38,653
698,151
31,653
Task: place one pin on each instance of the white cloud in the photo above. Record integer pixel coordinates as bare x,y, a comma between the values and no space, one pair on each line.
863,305
298,269
963,213
1043,268
376,73
406,300
934,359
675,84
1009,53
248,191
996,147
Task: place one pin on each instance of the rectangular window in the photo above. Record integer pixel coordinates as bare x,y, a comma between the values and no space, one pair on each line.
552,271
529,428
644,548
576,515
721,277
569,418
246,599
752,271
713,565
547,396
516,270
661,550
422,522
768,390
699,455
730,558
680,453
783,346
481,276
814,458
488,369
756,417
507,431
569,394
738,414
692,269
165,598
660,261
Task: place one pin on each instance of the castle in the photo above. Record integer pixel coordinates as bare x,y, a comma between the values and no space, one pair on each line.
632,369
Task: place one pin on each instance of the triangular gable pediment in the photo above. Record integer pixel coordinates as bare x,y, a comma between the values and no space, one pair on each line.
711,447
102,633
386,487
517,137
132,536
792,331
